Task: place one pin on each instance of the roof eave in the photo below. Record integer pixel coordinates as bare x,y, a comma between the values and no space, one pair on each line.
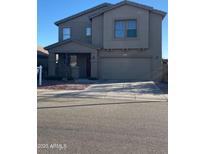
57,44
42,53
81,13
68,41
162,13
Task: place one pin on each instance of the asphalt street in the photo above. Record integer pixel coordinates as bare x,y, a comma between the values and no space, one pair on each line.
101,126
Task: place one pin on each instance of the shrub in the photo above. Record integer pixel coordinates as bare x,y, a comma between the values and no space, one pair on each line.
53,78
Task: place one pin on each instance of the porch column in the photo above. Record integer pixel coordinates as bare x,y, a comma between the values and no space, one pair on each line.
94,66
51,64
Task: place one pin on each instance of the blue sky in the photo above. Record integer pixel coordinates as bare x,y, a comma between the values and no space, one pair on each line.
50,11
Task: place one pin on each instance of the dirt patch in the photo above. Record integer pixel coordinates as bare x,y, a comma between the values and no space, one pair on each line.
62,85
65,87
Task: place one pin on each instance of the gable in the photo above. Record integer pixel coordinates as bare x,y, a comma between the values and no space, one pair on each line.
126,10
137,5
132,4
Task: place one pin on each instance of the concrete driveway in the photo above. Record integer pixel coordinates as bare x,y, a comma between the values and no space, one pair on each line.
101,120
124,90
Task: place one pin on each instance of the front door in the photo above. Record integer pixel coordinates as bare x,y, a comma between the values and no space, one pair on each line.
83,62
83,65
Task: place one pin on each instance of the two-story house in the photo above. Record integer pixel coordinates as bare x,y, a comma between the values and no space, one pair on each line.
109,41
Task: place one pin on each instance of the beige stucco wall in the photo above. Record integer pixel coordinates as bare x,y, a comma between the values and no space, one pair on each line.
97,31
153,53
78,27
126,12
155,43
94,64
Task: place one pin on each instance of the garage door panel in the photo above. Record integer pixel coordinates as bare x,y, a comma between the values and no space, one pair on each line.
125,68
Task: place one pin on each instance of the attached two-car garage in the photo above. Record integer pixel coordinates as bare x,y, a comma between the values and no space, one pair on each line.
125,68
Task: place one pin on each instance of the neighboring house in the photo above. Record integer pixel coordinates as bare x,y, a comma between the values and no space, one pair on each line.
165,70
165,61
42,59
109,41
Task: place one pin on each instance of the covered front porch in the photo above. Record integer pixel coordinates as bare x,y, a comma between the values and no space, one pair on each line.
73,65
72,60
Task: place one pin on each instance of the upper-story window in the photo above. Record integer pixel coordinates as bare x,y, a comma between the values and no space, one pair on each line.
120,29
66,33
131,28
125,28
88,31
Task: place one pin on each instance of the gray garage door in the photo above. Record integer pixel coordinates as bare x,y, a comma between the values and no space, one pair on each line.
125,68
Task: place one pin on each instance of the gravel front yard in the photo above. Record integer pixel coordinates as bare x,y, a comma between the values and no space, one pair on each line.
63,85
